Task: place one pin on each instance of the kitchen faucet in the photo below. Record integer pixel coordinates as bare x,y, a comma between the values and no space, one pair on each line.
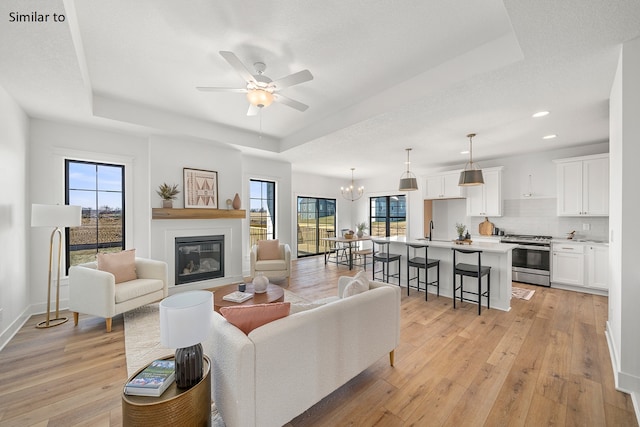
430,228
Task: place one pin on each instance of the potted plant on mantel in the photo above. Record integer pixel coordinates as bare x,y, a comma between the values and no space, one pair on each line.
167,193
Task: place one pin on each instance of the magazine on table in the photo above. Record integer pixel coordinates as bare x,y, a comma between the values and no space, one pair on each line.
237,296
152,380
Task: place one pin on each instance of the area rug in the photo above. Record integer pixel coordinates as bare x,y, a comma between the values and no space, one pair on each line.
521,293
142,340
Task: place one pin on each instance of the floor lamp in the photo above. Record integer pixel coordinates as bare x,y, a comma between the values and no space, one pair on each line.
56,216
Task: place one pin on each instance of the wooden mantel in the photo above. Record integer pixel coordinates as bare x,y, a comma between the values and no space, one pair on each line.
191,213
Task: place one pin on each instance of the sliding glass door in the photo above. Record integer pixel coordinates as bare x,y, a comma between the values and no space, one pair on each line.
316,219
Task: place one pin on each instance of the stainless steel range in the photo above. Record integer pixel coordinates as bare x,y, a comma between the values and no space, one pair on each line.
531,259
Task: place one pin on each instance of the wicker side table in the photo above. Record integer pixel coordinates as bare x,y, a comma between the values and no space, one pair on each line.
190,407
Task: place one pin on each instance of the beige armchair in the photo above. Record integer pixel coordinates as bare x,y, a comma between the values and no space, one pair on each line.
276,266
95,292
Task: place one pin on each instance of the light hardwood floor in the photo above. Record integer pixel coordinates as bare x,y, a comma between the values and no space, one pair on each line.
545,362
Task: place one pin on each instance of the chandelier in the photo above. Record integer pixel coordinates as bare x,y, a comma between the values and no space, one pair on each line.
472,174
350,192
408,181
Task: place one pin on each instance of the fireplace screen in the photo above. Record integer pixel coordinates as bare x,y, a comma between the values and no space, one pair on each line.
199,258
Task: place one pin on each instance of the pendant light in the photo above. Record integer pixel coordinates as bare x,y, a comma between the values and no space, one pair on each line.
408,181
472,174
350,192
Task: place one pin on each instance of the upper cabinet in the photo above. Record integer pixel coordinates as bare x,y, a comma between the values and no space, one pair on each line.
583,186
444,186
486,199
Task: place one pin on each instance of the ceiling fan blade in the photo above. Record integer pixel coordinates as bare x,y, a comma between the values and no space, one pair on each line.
292,79
221,89
290,102
253,110
233,60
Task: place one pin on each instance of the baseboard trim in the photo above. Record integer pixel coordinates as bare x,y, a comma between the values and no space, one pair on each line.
635,398
14,327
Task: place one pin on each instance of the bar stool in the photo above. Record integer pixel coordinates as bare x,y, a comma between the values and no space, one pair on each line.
422,263
383,256
471,270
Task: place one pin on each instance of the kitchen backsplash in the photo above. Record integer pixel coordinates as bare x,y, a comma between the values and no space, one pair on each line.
535,216
539,217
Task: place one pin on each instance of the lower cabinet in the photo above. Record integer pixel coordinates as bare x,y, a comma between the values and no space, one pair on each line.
581,265
597,261
567,264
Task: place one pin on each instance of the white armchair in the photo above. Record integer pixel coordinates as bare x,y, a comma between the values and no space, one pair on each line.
95,292
279,268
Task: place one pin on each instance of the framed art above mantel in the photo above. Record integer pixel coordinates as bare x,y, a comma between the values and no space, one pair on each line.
200,189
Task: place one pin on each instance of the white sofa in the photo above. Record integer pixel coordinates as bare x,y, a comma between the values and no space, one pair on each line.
281,369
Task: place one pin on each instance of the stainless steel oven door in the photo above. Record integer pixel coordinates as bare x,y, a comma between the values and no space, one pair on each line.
531,257
531,264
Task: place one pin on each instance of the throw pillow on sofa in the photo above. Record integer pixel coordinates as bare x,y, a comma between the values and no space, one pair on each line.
121,264
357,285
249,317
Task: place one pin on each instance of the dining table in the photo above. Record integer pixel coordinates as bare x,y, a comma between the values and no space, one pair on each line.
348,244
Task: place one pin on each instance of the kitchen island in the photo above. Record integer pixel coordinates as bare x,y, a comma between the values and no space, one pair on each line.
495,255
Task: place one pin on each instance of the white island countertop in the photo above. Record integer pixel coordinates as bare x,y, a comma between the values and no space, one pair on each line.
448,244
495,255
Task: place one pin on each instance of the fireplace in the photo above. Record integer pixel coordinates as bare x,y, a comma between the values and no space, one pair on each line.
199,258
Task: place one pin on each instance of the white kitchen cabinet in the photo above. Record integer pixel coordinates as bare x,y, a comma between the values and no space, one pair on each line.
486,199
597,266
567,264
583,186
444,186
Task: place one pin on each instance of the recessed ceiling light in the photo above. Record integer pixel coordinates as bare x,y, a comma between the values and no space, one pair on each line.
540,114
464,152
549,136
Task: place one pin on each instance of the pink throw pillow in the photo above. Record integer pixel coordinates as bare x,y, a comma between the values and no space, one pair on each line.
268,249
248,317
121,264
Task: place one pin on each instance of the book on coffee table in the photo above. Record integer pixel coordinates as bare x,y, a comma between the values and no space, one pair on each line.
237,296
152,380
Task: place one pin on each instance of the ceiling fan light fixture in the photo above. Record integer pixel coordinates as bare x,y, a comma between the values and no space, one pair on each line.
408,181
260,97
472,174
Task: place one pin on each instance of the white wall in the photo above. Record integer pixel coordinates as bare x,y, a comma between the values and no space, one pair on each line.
280,173
50,144
168,156
624,277
14,217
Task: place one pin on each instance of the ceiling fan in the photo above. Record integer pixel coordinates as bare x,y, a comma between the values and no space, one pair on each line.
261,90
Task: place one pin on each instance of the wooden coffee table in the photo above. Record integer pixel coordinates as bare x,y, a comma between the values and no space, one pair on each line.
274,293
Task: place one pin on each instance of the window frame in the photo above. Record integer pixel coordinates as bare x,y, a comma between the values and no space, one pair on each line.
274,222
123,195
316,212
387,215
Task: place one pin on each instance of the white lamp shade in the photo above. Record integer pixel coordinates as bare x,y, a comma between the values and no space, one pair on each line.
55,215
185,318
